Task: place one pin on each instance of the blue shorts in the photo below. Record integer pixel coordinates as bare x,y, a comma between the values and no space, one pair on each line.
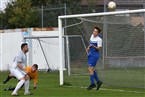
92,60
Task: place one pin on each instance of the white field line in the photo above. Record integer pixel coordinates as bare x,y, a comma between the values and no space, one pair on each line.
105,89
102,89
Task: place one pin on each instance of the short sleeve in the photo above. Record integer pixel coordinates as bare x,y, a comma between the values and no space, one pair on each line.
100,42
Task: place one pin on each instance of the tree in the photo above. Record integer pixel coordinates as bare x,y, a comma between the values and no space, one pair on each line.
20,14
27,13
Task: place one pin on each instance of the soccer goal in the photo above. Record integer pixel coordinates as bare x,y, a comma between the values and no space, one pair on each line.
43,49
122,61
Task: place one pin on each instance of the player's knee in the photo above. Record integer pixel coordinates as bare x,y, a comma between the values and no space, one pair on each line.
22,78
90,70
27,77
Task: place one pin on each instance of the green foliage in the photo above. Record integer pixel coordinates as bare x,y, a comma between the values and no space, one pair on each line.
28,13
19,14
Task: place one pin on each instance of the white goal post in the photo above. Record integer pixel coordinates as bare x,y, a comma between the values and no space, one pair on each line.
60,18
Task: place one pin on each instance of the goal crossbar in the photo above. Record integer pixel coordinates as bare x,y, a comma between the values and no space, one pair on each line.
102,13
38,37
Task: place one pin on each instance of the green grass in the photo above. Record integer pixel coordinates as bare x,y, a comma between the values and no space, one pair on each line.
48,86
134,78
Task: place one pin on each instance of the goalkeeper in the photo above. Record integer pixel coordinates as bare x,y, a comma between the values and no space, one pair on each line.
32,72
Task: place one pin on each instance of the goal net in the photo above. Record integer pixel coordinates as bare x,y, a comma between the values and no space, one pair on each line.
122,60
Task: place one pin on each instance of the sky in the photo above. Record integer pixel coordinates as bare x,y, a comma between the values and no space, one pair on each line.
3,4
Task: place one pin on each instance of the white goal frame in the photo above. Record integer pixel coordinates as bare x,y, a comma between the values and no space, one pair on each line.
60,18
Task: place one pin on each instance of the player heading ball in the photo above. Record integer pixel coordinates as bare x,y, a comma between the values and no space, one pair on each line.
93,57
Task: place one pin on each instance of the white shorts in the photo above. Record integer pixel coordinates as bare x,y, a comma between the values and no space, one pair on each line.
18,73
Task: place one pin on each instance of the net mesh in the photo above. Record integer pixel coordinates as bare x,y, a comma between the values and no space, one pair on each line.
122,60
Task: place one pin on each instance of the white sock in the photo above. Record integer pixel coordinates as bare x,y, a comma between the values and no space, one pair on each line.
18,86
27,86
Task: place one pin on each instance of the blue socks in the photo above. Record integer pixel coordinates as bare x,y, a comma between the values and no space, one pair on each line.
92,79
96,76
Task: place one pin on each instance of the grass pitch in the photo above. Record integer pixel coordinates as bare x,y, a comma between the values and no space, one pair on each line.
48,86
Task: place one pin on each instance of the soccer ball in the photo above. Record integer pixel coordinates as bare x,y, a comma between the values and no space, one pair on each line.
111,6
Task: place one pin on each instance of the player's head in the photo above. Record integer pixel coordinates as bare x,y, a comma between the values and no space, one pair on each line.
24,47
96,31
34,67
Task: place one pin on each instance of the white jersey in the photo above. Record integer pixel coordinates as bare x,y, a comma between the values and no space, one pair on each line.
97,41
20,58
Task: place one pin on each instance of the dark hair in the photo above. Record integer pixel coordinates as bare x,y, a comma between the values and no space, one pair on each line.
23,45
36,66
99,30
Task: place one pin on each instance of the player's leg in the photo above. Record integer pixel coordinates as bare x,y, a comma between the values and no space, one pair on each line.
91,72
12,88
96,76
20,77
10,76
18,86
22,86
99,82
92,85
9,89
26,85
